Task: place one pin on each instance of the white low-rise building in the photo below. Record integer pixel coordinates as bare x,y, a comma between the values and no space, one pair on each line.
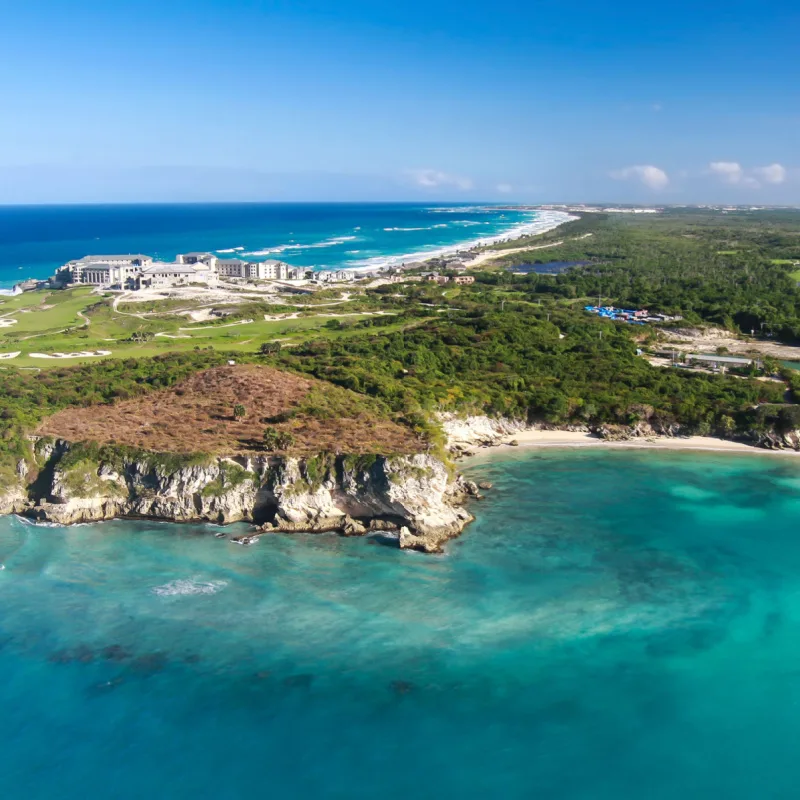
119,270
161,274
138,271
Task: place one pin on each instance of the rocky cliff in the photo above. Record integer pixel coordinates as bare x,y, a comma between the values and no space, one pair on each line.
464,433
414,496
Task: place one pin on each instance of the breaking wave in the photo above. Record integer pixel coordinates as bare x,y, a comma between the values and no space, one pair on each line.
296,248
539,222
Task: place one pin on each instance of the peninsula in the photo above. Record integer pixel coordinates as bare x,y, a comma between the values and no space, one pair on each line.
346,408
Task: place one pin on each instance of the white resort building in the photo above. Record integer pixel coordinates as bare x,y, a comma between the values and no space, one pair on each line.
140,271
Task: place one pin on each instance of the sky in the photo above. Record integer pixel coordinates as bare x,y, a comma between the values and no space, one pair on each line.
203,100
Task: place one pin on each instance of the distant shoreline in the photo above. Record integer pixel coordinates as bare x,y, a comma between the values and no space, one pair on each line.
545,221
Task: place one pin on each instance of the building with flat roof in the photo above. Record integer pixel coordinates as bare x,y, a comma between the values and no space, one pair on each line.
135,271
715,360
161,274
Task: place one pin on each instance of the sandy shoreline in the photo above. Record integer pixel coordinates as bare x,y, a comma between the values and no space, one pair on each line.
571,439
544,222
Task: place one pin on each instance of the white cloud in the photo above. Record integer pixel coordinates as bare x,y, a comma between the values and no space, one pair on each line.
729,171
734,173
504,188
433,178
650,176
774,173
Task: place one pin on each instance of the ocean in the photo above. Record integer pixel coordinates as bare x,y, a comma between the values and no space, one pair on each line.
35,240
614,625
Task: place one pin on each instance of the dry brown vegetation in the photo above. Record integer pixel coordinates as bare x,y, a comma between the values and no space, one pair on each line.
197,416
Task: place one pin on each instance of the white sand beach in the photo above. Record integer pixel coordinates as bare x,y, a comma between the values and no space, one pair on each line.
537,438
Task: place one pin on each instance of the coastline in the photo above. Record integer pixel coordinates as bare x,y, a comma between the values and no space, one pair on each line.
544,222
537,439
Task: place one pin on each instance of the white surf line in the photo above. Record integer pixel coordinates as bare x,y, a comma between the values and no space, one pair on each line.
544,222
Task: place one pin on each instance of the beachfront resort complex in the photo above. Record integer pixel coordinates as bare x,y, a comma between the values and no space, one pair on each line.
137,271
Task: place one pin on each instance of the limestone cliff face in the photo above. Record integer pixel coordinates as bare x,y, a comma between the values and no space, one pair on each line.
13,499
478,430
351,494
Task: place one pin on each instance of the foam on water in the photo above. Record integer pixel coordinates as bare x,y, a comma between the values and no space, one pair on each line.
189,587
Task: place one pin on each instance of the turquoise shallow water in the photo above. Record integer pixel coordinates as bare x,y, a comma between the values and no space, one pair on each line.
614,625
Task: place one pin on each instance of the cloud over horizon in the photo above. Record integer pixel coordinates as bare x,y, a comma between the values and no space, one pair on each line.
734,173
434,178
652,177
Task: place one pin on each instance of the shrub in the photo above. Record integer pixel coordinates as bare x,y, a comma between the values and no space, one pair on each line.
277,440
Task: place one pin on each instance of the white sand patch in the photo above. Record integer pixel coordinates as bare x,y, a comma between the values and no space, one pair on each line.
174,335
227,325
537,438
81,354
279,317
7,323
10,355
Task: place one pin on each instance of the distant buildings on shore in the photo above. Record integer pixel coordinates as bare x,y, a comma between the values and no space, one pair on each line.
603,209
138,271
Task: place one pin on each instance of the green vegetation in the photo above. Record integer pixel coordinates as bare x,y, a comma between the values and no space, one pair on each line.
77,320
231,475
512,345
729,269
277,440
515,363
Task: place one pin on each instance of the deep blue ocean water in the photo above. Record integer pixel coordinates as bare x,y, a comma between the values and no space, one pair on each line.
35,240
614,625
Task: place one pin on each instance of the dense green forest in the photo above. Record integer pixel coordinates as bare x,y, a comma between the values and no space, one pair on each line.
733,269
551,365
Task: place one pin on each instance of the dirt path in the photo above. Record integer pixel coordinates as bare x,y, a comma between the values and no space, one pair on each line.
490,255
688,340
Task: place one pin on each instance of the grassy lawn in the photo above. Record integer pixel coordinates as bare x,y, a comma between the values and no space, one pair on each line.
795,275
109,330
37,312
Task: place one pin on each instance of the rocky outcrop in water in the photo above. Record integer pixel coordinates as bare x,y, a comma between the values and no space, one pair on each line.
353,495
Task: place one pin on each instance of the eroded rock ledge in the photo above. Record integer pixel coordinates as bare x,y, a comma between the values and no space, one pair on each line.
415,498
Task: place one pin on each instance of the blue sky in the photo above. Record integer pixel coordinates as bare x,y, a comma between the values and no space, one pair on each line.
355,100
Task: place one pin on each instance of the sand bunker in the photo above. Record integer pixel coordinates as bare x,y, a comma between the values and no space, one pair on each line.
7,323
81,354
10,355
